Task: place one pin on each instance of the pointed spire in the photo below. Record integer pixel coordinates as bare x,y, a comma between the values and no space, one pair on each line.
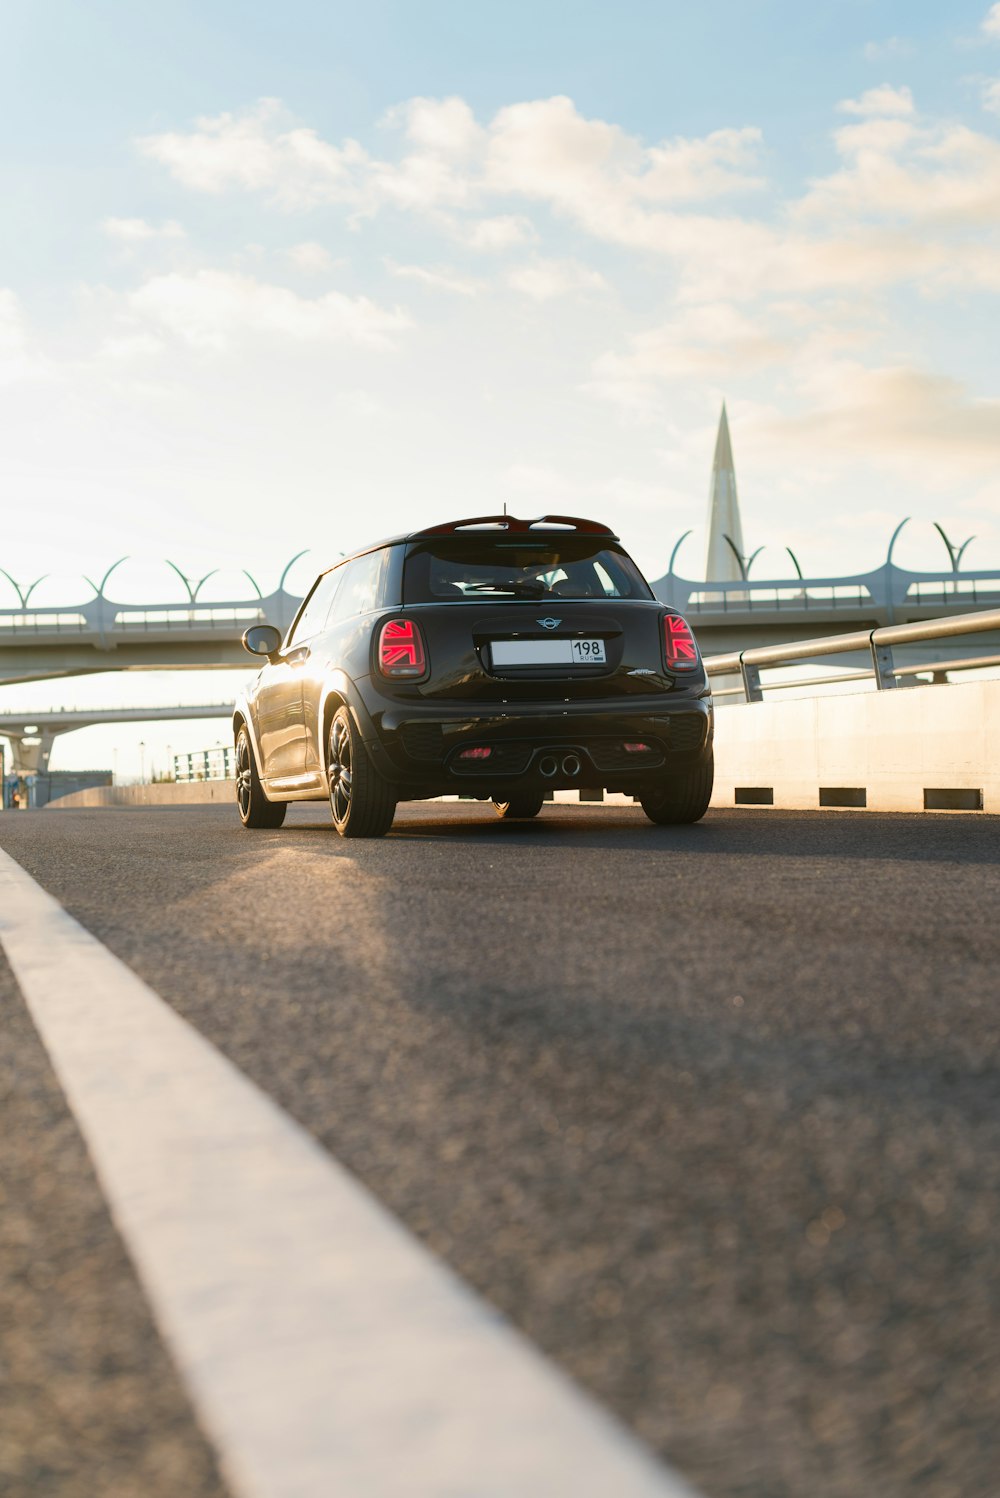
723,511
723,446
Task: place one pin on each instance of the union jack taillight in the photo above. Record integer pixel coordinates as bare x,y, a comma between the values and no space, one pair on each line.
401,649
679,648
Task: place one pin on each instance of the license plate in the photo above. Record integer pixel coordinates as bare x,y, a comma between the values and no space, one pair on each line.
548,653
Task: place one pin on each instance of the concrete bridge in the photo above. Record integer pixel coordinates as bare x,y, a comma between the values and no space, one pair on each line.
752,613
101,634
32,734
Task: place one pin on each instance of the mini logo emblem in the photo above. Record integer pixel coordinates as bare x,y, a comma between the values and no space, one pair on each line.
550,623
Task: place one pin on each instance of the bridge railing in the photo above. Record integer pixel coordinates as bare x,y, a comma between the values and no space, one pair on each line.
886,591
229,618
103,620
53,621
180,617
743,597
882,596
877,643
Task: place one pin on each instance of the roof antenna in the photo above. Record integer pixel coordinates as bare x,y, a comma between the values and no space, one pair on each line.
505,508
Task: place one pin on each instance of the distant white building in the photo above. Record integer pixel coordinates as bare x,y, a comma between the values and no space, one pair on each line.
721,565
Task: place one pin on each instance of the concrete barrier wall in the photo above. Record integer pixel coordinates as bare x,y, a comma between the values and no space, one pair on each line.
914,749
184,793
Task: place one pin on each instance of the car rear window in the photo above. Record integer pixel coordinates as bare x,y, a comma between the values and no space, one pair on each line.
504,568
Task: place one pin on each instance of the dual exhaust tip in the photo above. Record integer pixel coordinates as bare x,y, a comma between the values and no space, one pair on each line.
549,765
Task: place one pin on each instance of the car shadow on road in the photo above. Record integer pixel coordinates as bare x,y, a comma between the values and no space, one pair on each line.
858,836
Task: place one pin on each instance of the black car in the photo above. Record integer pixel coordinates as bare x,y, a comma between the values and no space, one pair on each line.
495,657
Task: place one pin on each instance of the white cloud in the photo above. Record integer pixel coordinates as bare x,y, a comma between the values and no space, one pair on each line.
20,360
211,309
137,230
252,150
123,348
261,150
991,21
884,217
893,213
717,344
913,176
907,419
991,95
544,149
713,340
541,280
310,257
504,232
446,128
912,202
438,280
891,47
12,331
438,170
599,175
882,100
709,166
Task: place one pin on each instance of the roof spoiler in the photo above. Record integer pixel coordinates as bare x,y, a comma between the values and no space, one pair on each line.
511,523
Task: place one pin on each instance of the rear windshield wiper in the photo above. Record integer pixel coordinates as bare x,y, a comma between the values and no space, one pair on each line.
519,587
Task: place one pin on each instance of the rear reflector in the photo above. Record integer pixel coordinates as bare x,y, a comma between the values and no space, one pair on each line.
475,753
679,647
636,748
401,649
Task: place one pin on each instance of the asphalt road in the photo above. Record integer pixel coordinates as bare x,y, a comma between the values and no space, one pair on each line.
712,1113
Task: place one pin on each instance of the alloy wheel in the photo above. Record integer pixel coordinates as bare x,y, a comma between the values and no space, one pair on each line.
243,783
340,770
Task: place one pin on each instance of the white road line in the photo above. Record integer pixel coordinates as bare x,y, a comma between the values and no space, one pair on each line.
327,1353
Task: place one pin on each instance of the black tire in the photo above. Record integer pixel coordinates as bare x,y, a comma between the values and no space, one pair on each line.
361,801
253,806
684,798
519,808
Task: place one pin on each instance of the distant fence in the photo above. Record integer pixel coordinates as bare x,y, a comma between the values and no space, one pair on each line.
206,764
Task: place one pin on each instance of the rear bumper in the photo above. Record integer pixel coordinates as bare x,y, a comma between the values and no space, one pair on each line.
418,747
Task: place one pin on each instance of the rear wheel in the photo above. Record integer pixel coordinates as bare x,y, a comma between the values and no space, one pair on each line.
684,797
519,808
361,801
254,808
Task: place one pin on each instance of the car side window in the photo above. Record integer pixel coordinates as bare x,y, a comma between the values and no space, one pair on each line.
363,584
317,607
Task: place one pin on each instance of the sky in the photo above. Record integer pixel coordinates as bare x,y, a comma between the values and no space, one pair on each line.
275,278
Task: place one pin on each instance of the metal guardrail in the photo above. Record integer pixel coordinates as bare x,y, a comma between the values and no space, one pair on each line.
877,642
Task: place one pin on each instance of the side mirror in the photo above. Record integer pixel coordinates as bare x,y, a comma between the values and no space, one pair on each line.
262,639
